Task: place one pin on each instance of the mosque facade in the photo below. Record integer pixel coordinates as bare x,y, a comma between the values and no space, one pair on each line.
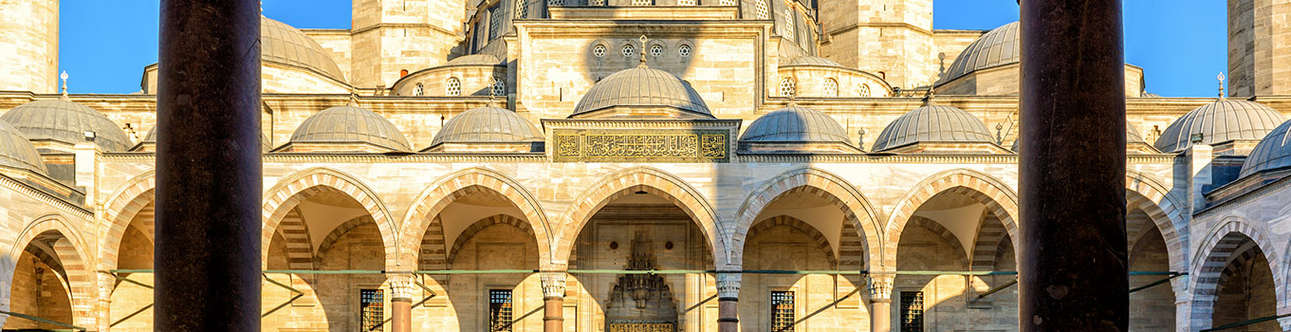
837,165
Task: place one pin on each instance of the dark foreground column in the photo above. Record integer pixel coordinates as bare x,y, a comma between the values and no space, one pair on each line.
728,302
553,301
208,167
1072,168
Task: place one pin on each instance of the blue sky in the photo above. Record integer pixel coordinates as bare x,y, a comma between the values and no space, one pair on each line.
1181,44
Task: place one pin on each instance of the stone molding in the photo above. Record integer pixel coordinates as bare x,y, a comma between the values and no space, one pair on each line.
402,286
728,285
553,284
880,287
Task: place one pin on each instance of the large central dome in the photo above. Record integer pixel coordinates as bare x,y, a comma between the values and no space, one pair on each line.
644,89
997,47
284,44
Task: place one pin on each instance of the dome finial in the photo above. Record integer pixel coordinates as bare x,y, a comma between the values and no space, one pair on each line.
354,97
1221,77
643,40
64,77
927,97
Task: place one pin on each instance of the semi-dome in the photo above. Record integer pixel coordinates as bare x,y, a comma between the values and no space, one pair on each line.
285,44
997,47
808,60
642,87
1220,121
349,125
1273,152
487,125
933,123
66,122
795,124
17,152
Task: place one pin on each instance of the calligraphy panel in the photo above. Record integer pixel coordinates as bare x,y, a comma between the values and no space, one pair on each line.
659,145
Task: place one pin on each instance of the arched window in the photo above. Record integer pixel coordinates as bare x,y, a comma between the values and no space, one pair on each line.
522,8
684,50
656,50
863,90
495,23
419,90
642,2
788,24
727,3
499,87
788,87
761,10
598,50
831,87
628,50
453,87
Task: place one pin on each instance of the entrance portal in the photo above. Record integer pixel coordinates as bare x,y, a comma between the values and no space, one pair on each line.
641,302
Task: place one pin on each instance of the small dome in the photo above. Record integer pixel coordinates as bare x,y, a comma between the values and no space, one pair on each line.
641,86
997,47
1273,152
933,123
284,44
795,124
487,125
808,60
65,121
1220,121
474,59
17,152
348,124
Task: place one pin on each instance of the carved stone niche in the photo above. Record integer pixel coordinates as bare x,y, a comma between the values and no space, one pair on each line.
641,302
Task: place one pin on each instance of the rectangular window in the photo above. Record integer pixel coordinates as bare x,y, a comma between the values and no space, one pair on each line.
911,311
781,311
371,304
499,310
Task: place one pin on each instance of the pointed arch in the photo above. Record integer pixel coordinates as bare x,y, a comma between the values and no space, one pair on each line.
291,190
480,225
990,234
652,181
1145,193
783,220
998,198
860,228
71,249
119,211
423,215
1221,243
944,234
295,234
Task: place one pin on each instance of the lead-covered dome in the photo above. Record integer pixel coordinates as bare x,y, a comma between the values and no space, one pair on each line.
17,152
285,44
645,88
997,47
795,124
1273,152
1220,121
933,123
66,122
808,60
349,125
487,125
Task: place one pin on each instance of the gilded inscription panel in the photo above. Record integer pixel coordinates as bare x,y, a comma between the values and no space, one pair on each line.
659,145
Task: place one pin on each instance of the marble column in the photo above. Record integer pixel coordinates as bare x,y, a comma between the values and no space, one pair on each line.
553,301
402,292
728,302
1072,255
880,288
208,222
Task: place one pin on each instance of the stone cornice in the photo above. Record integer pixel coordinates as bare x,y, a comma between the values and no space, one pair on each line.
628,124
1246,197
401,26
45,197
539,157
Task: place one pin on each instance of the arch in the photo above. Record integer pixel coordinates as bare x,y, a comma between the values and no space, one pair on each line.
1216,248
119,211
291,190
426,208
626,182
997,197
943,233
295,233
1144,193
783,220
858,213
990,234
335,235
70,249
480,225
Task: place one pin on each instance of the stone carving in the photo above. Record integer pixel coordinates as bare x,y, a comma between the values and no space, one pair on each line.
553,284
641,302
402,286
660,145
880,287
728,285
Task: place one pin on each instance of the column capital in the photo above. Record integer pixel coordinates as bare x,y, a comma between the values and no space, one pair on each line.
553,283
880,287
402,286
728,286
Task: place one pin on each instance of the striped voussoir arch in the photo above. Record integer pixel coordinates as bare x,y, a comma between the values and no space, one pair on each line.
70,249
480,225
1216,250
337,234
129,202
1141,193
295,234
990,233
819,239
998,199
433,254
285,196
942,233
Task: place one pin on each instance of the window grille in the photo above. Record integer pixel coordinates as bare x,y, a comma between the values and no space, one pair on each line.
598,50
685,2
453,87
788,24
371,304
419,90
495,23
499,87
761,10
684,50
911,311
863,90
727,3
555,3
782,311
656,50
628,50
788,88
522,8
642,2
831,87
499,310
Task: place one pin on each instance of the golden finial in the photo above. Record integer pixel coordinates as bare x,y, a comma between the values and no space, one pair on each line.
1221,78
64,77
643,40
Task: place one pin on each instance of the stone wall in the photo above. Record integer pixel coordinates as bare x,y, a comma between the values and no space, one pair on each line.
29,50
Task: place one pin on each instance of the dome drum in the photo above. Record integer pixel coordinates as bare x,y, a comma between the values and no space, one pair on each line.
475,75
820,77
642,93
